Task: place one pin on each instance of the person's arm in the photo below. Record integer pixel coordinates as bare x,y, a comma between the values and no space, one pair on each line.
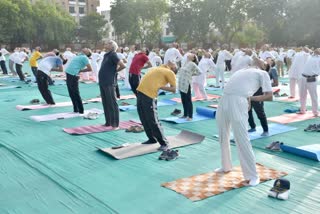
59,68
169,88
267,96
149,65
87,69
121,66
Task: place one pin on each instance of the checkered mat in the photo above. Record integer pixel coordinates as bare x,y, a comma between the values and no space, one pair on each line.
202,186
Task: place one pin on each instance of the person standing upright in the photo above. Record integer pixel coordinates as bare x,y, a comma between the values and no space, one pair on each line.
3,53
34,61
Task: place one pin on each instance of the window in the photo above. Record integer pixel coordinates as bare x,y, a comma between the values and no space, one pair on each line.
71,10
81,10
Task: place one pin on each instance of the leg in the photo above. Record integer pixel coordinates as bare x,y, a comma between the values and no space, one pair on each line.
11,64
252,124
293,83
189,103
117,87
19,71
312,88
134,81
303,94
195,87
3,67
203,92
34,71
105,105
42,82
73,89
184,103
259,109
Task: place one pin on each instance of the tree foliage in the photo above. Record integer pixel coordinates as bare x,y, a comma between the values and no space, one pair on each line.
92,28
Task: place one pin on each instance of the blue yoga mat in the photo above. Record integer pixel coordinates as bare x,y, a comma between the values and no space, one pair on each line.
213,89
310,151
289,110
202,114
166,102
274,129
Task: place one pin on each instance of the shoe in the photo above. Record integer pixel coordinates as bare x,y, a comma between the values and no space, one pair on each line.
164,154
272,144
130,129
276,94
265,134
172,155
221,170
311,128
91,116
149,142
252,130
176,112
276,147
124,104
163,147
35,101
254,182
138,129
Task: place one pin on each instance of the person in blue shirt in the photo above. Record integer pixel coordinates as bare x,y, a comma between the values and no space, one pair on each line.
77,64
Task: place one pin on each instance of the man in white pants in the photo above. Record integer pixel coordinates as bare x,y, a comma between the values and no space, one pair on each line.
308,83
233,113
223,55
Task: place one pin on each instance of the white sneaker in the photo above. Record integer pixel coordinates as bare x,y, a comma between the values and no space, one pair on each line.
221,170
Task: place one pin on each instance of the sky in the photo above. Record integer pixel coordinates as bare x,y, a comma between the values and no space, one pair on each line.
104,5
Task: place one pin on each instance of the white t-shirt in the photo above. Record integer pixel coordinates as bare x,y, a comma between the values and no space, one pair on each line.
312,66
13,56
47,63
172,54
3,53
120,56
247,81
68,55
223,55
265,55
130,58
21,57
298,63
156,61
151,55
290,53
242,62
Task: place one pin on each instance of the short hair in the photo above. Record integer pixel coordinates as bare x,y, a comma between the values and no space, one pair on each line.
114,45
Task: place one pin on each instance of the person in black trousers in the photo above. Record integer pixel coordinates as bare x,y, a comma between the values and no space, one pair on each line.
110,66
77,64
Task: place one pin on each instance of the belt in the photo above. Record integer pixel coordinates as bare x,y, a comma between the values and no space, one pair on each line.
308,76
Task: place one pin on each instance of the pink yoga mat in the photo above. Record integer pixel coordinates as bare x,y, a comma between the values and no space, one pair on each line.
210,97
275,90
291,118
98,128
213,106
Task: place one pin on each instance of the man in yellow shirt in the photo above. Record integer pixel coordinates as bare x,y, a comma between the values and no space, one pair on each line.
147,92
33,60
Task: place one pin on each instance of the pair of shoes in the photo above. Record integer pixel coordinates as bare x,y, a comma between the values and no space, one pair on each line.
169,155
135,129
163,147
91,116
149,142
265,134
124,104
275,146
176,112
35,101
313,128
252,130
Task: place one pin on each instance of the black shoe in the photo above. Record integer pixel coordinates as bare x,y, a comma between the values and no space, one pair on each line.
149,142
163,147
164,155
176,112
172,155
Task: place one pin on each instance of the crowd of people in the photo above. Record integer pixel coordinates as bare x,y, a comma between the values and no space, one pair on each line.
253,74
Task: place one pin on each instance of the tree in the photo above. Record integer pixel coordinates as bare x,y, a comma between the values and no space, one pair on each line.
8,15
250,35
92,28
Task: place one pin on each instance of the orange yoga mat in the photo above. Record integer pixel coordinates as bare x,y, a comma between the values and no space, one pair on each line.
202,186
291,118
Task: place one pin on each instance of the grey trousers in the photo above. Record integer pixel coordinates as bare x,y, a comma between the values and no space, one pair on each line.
110,105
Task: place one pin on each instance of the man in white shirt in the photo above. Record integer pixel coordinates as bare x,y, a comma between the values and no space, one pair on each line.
3,53
223,55
280,62
243,61
12,59
233,113
172,54
308,83
296,69
265,53
130,56
289,57
95,59
19,60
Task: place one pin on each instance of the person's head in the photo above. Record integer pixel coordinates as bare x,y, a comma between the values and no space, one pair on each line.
248,52
111,46
271,62
38,48
87,52
175,45
173,66
133,48
317,51
265,47
68,49
259,63
145,51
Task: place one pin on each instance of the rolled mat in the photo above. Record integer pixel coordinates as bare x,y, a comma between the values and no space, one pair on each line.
99,128
202,186
184,138
309,151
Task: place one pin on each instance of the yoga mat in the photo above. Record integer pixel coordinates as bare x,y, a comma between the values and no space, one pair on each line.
291,118
213,106
9,87
87,82
213,89
202,114
60,116
274,129
309,151
185,138
98,128
210,97
287,99
42,106
127,108
159,103
124,97
202,186
274,90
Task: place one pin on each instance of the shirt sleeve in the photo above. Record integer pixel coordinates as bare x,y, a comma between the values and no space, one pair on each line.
265,82
58,62
115,59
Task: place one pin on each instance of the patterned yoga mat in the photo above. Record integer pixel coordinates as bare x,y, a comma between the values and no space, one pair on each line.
202,186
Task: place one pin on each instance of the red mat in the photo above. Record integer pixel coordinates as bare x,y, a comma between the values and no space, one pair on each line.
274,90
210,97
99,128
291,118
